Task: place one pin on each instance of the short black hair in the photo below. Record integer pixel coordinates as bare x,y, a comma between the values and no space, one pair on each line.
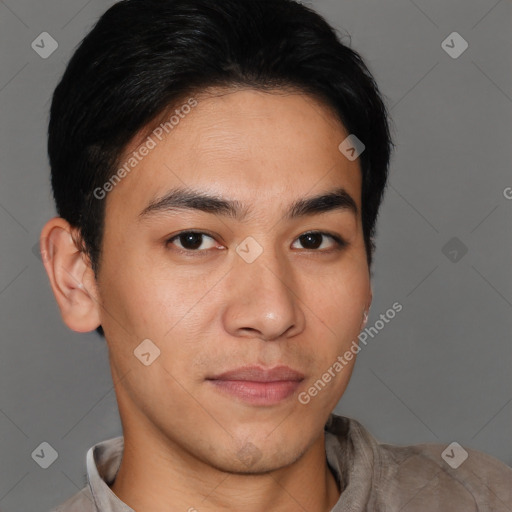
144,57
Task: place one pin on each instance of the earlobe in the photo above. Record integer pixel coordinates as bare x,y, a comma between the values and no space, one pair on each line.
366,310
71,276
365,319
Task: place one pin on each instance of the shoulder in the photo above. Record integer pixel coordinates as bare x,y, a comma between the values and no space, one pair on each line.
444,476
82,501
430,476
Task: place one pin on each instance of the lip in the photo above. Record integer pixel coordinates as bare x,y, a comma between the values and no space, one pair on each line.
257,385
260,374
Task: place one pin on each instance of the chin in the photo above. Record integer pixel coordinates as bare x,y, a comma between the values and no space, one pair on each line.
258,457
254,463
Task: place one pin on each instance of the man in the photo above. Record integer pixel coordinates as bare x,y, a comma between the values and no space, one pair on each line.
218,169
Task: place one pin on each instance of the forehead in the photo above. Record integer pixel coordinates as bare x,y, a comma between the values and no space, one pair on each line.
245,144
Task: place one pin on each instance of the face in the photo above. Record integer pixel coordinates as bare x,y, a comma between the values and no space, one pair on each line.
242,281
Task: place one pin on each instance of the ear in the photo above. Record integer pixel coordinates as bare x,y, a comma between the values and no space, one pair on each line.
71,276
366,310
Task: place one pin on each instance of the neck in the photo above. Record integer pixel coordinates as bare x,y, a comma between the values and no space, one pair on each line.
156,476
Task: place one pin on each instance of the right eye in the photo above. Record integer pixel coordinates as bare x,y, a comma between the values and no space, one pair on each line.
191,241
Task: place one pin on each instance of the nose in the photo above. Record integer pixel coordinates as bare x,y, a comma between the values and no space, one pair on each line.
263,299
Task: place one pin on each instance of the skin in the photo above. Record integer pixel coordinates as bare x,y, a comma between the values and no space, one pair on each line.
211,312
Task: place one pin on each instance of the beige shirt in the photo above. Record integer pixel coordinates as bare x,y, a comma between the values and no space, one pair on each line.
374,477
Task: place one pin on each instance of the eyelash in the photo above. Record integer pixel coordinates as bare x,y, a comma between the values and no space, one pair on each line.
340,242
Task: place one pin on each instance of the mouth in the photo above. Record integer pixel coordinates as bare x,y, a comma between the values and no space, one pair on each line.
257,385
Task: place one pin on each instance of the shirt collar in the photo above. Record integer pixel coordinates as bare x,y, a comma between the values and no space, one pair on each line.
352,455
103,461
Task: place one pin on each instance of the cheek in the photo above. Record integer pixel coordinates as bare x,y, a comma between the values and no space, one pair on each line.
336,312
156,304
339,300
144,298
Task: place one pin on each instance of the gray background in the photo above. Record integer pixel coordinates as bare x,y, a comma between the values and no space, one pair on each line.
440,371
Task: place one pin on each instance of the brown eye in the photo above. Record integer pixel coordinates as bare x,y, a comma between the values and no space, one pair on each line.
311,240
192,241
315,239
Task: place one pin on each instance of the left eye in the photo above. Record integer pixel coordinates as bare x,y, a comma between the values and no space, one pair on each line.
314,240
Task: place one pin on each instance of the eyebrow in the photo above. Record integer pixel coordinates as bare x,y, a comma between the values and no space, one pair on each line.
189,199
